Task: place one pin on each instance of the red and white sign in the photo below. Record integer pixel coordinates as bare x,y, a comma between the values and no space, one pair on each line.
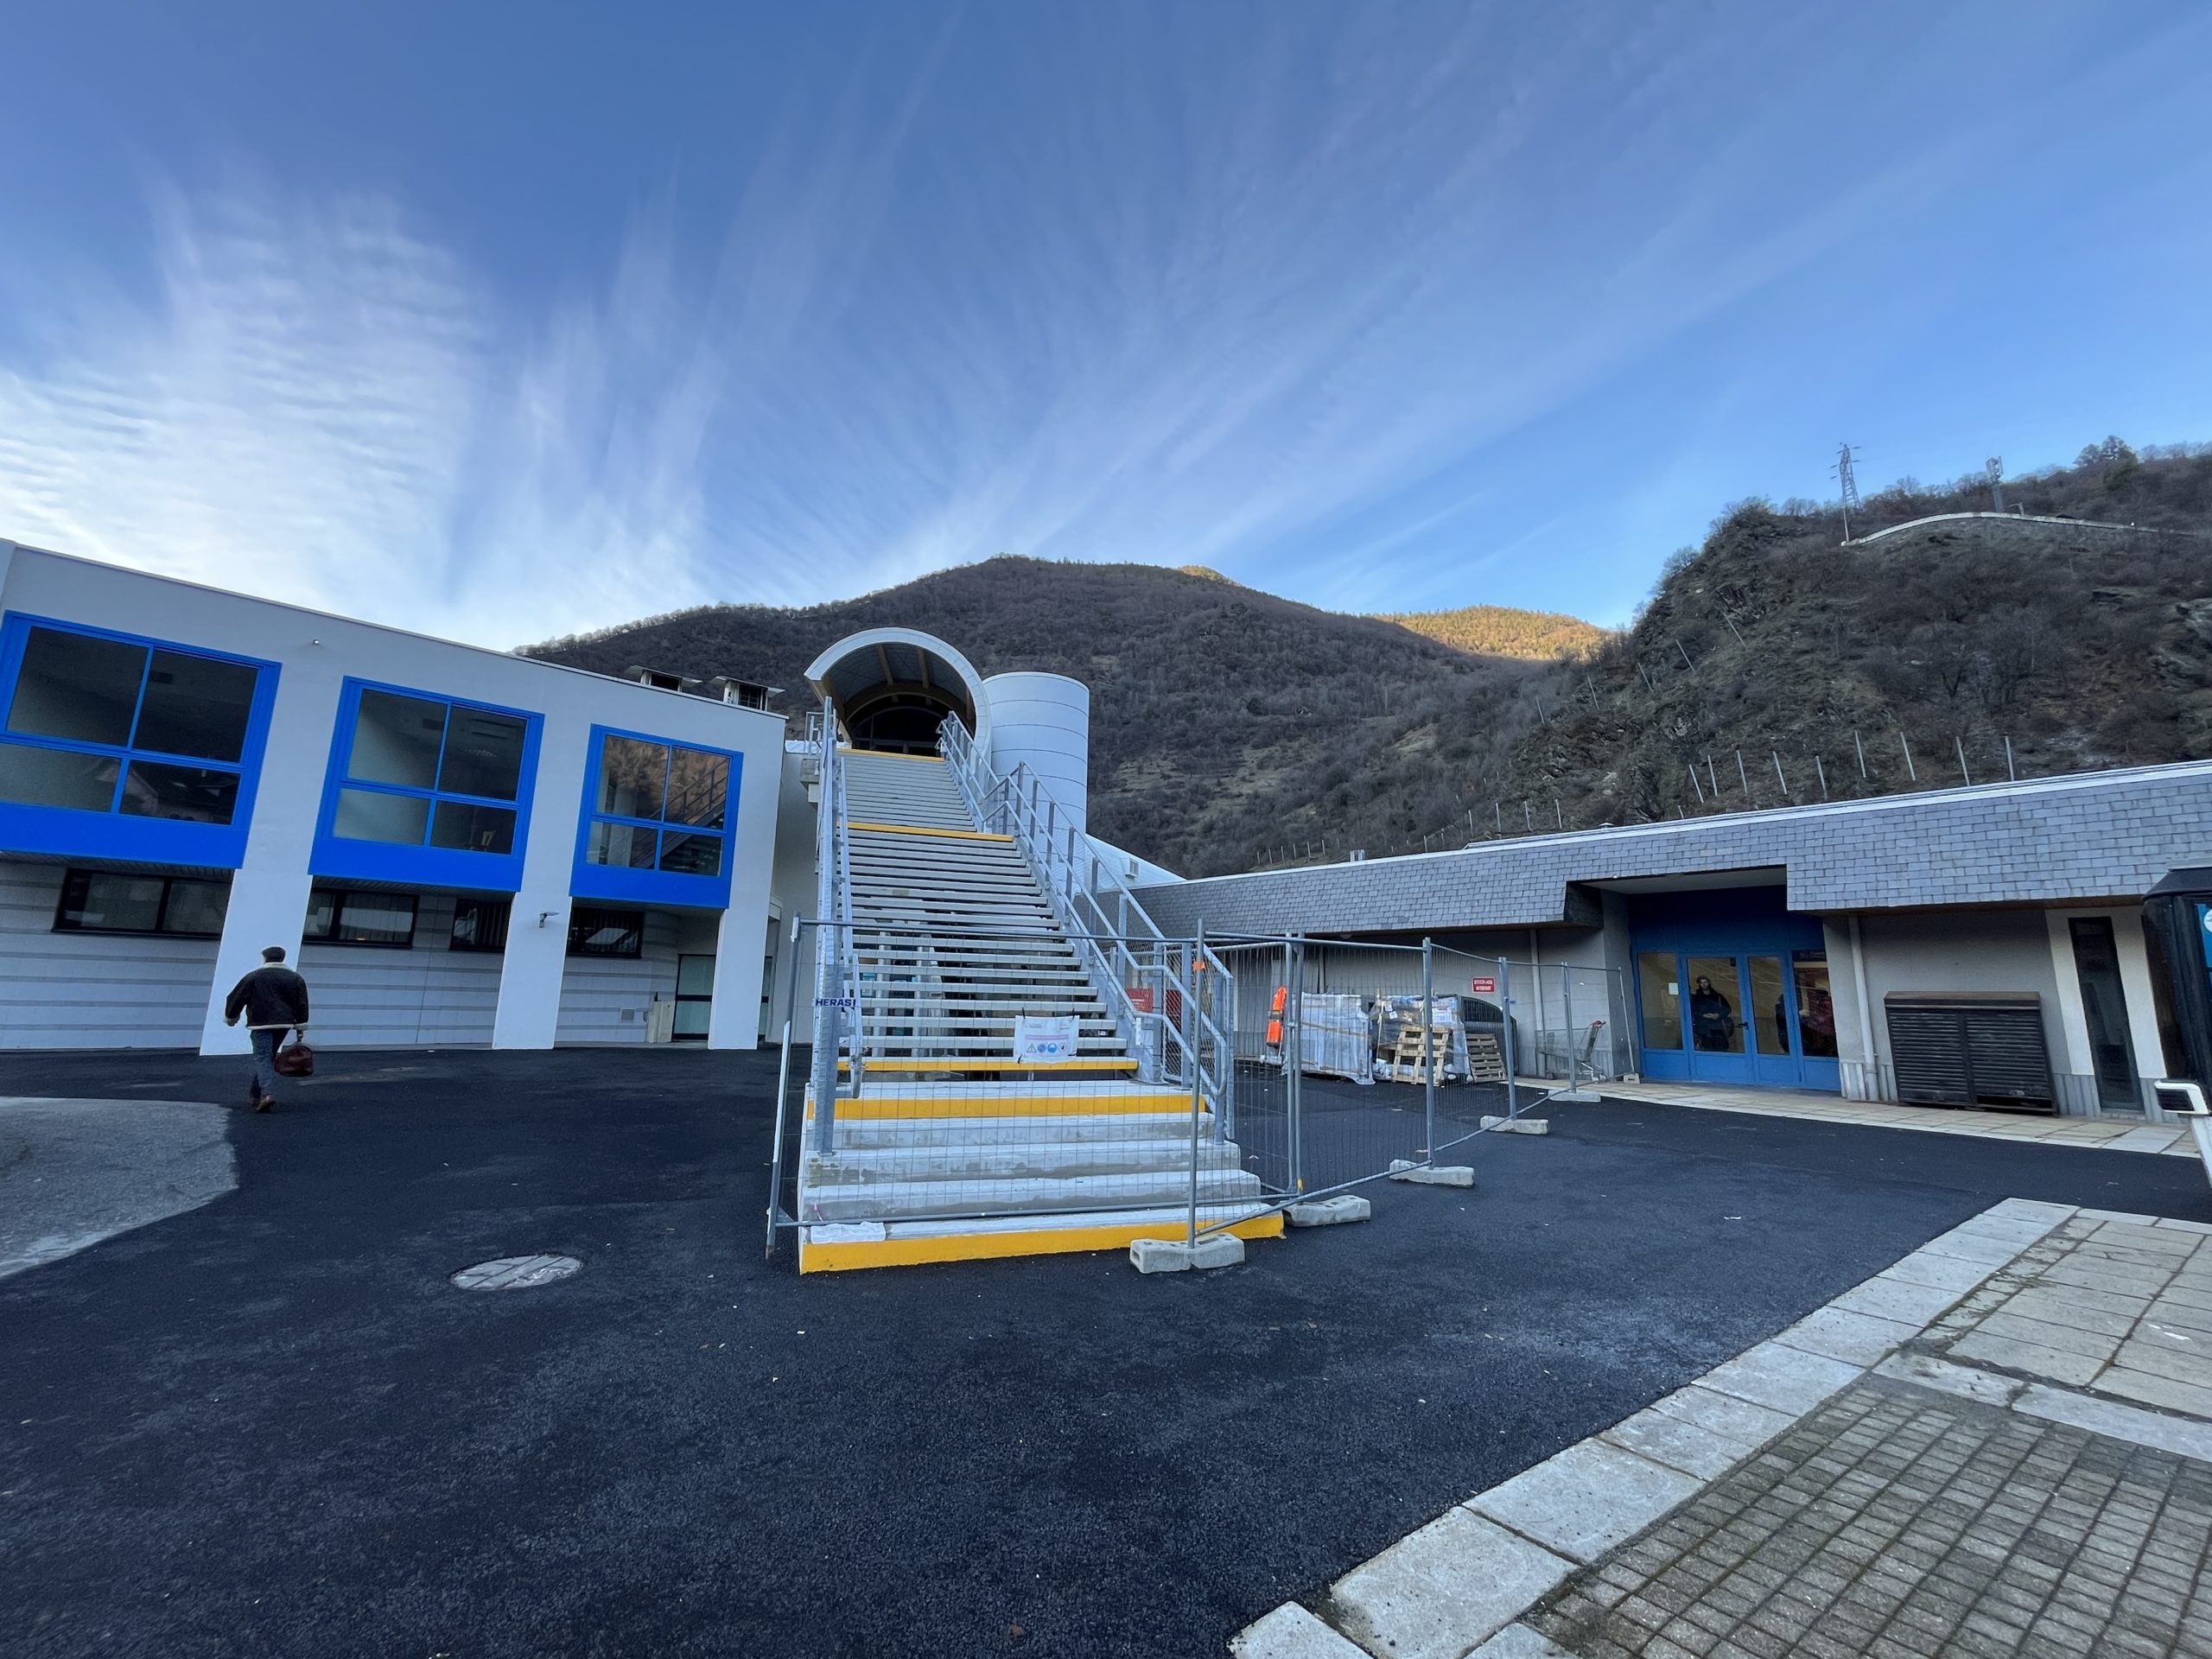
1485,987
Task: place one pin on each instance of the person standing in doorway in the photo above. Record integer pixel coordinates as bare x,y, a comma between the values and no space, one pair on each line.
1712,1018
274,1000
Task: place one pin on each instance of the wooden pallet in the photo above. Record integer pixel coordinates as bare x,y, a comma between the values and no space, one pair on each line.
1485,1060
1404,1064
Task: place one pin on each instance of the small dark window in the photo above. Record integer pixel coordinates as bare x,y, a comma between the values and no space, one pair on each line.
337,916
595,932
108,901
481,923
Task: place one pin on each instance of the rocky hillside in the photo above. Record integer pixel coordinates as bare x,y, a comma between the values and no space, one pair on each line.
2079,646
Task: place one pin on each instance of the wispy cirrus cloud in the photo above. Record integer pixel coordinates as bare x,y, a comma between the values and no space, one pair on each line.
319,405
1144,286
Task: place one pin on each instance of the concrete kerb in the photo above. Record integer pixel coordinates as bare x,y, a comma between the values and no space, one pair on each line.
1456,1588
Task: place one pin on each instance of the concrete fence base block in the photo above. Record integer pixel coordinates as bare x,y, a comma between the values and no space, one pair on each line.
1426,1175
1329,1212
1519,1125
1180,1255
1576,1097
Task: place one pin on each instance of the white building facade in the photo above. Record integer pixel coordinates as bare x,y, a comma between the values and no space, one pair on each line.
457,846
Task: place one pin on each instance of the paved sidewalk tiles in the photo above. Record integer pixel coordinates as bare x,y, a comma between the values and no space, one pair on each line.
1896,1522
1976,1452
2108,1133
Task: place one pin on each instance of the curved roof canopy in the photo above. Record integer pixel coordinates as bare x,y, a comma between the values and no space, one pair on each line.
893,687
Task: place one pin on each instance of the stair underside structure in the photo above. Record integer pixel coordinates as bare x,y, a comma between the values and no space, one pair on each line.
955,1149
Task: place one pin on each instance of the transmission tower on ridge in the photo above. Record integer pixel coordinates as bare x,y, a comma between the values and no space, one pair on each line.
1997,479
1849,482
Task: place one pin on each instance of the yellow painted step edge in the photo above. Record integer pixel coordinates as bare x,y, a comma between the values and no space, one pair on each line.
981,1247
892,1109
924,829
960,1063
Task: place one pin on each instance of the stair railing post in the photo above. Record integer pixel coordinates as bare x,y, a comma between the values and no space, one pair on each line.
1197,1077
783,1082
1428,1048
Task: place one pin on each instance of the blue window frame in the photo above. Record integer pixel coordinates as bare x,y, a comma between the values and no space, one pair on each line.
427,788
116,746
658,821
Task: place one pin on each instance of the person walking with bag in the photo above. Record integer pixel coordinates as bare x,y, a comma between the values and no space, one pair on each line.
274,1000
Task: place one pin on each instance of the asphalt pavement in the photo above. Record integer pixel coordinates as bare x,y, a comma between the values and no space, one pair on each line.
271,1425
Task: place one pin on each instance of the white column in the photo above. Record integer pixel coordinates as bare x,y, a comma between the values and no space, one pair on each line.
2073,1018
2143,1032
740,942
538,926
741,938
268,891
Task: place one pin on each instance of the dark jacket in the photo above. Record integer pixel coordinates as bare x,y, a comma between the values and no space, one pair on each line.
272,995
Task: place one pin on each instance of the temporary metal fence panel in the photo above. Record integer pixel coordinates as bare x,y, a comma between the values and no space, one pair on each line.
1570,1019
982,1076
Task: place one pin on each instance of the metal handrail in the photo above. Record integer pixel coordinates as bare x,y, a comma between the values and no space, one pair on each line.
833,979
1050,839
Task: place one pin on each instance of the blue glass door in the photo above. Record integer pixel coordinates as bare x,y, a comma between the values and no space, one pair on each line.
1732,988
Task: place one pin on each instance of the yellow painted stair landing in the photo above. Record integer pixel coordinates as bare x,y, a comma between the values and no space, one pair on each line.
912,1244
1011,1100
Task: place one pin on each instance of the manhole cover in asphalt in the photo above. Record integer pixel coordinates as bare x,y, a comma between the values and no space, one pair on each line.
516,1272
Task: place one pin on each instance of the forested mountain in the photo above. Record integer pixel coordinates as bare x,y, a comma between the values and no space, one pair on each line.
1231,728
1223,720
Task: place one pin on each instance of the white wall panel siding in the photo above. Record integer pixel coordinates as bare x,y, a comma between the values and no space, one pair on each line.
427,994
91,990
430,996
604,998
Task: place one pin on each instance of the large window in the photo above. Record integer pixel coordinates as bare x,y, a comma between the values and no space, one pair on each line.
426,789
658,806
97,722
656,821
421,772
341,916
108,901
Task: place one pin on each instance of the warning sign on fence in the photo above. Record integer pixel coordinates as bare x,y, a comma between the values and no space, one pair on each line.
1039,1038
1484,985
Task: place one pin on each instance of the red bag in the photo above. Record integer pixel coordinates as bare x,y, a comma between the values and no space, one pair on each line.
295,1059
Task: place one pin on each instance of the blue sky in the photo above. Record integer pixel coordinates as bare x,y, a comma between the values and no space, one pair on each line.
500,320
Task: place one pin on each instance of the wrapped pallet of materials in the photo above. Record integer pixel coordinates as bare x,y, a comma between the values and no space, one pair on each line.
1393,1015
1335,1039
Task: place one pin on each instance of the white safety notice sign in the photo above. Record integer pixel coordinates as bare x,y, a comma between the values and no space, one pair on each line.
1043,1038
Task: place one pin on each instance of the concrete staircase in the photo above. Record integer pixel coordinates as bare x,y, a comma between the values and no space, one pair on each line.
955,1149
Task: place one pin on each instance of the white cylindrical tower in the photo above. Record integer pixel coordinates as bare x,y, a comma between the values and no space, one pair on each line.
1044,720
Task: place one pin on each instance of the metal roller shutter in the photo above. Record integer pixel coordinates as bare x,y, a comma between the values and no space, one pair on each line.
1971,1051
